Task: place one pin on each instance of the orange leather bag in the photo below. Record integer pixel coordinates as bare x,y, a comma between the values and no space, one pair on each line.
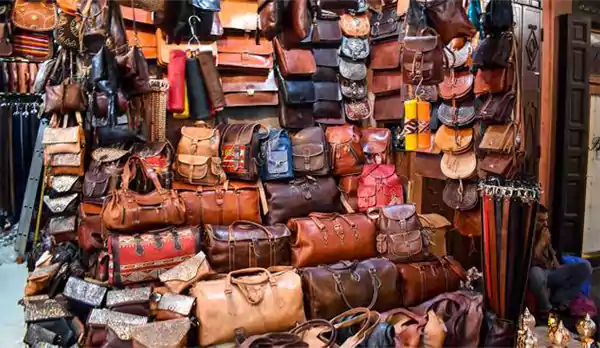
197,160
241,53
347,155
355,25
34,15
327,238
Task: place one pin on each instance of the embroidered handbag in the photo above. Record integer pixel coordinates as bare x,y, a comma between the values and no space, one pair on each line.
240,146
347,155
276,155
378,186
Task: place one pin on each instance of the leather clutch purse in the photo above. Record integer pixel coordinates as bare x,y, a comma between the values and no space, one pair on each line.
184,275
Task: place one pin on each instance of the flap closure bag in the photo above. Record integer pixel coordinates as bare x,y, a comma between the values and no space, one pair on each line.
396,218
168,333
346,151
422,58
376,144
498,138
67,140
176,303
62,225
298,92
63,204
200,170
100,317
387,82
294,62
250,90
61,184
497,80
240,148
456,85
45,310
115,298
385,24
326,31
34,15
458,166
309,151
352,70
458,57
271,15
460,196
327,57
239,15
497,108
353,89
355,47
385,55
389,107
457,116
355,25
328,91
200,140
242,52
454,140
357,110
84,292
108,154
182,276
499,164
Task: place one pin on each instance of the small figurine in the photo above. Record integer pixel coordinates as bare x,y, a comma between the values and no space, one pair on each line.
558,336
526,320
586,328
526,339
552,320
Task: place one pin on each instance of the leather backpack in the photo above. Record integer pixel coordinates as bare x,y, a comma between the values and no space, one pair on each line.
276,155
423,58
197,160
240,147
378,186
347,155
310,152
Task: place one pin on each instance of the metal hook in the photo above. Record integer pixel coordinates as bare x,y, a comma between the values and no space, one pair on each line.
193,31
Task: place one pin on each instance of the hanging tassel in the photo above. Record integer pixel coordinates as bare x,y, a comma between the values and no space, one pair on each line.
424,129
410,125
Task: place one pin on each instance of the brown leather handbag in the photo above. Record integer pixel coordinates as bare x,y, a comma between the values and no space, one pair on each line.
449,18
327,238
400,237
300,197
250,90
221,204
241,53
376,144
62,140
498,138
357,110
415,330
455,140
422,281
387,82
34,15
497,80
355,25
423,58
298,23
240,148
456,85
347,155
271,17
331,289
254,299
497,108
199,140
385,55
128,211
386,24
197,160
310,152
294,62
460,196
348,187
246,244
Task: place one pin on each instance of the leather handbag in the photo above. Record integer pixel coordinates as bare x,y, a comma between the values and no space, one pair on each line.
454,140
246,244
457,115
187,273
326,57
387,82
298,23
134,301
498,80
168,333
64,140
174,306
145,39
250,90
458,57
498,138
276,156
423,58
300,197
449,18
422,281
295,116
294,63
128,211
271,16
497,108
400,237
360,327
34,16
347,155
102,20
494,51
388,107
332,289
90,235
97,324
39,279
63,205
352,70
459,166
353,89
385,55
326,30
64,98
62,228
143,257
456,85
239,15
67,31
460,196
498,164
378,186
355,48
414,330
327,108
385,24
327,238
376,145
240,147
242,53
274,304
357,110
197,160
355,25
310,152
297,93
221,204
60,185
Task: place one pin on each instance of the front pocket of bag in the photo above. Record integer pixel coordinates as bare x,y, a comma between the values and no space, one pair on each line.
405,245
367,197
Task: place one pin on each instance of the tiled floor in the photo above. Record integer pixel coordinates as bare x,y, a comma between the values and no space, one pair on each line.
12,327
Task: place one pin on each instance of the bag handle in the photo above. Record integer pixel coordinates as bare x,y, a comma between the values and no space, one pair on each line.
247,223
311,324
230,281
371,321
130,169
387,317
339,287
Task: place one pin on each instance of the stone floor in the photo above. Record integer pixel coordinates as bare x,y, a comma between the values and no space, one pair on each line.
12,327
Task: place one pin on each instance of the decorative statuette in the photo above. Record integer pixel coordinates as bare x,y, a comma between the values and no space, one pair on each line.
586,328
527,339
552,321
558,336
527,320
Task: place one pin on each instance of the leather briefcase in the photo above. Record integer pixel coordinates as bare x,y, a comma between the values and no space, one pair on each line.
246,244
347,156
128,211
331,290
378,186
143,257
221,204
327,238
424,280
241,53
240,148
310,152
253,299
300,197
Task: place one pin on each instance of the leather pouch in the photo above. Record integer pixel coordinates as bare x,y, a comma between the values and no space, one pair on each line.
460,196
326,32
310,152
357,110
459,166
132,301
385,24
168,333
250,90
355,25
455,140
212,80
34,16
65,163
456,85
64,205
242,53
176,77
423,59
497,108
494,80
385,55
39,279
326,57
352,70
83,296
174,306
346,152
294,63
498,138
355,47
187,273
388,108
376,144
353,89
66,32
62,228
64,98
60,185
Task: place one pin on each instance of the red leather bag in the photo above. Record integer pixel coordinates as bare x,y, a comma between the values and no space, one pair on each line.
176,76
378,186
143,257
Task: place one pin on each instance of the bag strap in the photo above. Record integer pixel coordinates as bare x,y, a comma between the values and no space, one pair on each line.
387,317
247,223
130,169
315,323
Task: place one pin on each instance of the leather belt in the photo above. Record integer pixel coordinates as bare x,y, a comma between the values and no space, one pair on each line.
504,255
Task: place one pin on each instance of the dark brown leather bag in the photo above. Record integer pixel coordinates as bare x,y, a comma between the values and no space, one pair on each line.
423,58
294,62
240,148
385,55
449,18
347,155
298,23
460,196
388,82
327,238
310,152
90,235
331,290
497,108
494,80
300,197
220,205
271,15
385,24
376,144
422,281
245,244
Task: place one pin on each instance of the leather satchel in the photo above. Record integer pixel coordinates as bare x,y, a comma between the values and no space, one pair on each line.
34,16
296,92
385,55
376,145
400,237
388,107
240,147
242,53
378,186
295,62
498,138
246,244
64,98
497,108
460,196
498,164
143,257
310,152
300,197
64,140
496,80
455,140
449,18
187,273
387,82
423,58
221,204
347,156
326,31
355,25
332,289
250,90
456,85
197,160
276,156
253,299
327,238
128,211
385,24
424,280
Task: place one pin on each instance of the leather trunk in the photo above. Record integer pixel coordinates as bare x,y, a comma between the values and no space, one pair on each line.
240,147
331,290
143,257
220,205
246,244
300,197
327,238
